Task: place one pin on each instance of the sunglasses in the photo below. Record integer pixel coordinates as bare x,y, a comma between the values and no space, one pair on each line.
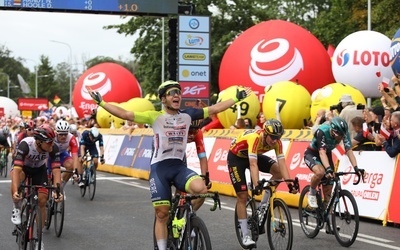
273,137
49,142
173,91
29,129
64,134
336,133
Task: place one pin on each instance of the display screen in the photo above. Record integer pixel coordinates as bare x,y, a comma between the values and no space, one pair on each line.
158,7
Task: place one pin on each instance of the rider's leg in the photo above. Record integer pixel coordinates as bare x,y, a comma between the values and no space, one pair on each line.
160,228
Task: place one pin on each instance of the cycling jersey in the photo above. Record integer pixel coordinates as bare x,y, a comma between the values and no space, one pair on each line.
324,140
5,141
28,156
170,131
89,144
70,145
249,144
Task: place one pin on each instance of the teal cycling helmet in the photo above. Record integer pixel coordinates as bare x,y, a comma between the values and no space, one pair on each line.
167,85
339,126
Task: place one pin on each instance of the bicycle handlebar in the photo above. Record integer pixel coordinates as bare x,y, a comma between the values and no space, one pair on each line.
292,183
190,197
359,173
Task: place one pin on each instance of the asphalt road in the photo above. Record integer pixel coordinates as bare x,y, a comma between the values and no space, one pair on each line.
121,217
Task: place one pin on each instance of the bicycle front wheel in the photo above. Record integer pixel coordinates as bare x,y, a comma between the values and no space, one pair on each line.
308,216
59,217
280,229
49,212
345,219
35,230
252,223
92,182
85,181
199,237
4,168
22,231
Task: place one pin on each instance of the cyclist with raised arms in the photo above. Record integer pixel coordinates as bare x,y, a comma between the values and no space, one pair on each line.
171,127
88,142
318,156
68,146
32,155
247,152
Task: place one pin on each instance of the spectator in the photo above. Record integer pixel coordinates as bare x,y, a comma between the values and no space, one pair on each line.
364,140
261,121
238,125
392,143
348,112
247,123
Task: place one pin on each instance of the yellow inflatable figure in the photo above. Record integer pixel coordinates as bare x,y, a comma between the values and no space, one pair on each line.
249,108
288,102
330,95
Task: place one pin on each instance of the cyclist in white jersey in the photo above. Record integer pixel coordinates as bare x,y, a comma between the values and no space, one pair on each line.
68,146
32,155
171,127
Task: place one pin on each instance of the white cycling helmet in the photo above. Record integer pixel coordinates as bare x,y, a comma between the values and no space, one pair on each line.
94,132
73,128
62,126
6,130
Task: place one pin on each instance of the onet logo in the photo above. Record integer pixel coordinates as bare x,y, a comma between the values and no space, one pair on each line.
259,70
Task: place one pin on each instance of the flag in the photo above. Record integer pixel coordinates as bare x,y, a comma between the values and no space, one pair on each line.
56,99
330,50
365,130
384,132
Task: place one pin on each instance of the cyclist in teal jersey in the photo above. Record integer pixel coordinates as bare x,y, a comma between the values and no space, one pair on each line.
171,128
318,155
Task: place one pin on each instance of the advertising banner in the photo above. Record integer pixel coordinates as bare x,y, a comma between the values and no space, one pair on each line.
33,104
143,155
128,150
372,196
112,148
217,161
191,154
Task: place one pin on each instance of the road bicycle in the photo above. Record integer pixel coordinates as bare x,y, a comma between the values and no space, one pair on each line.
55,208
275,213
89,176
341,211
187,231
3,162
29,232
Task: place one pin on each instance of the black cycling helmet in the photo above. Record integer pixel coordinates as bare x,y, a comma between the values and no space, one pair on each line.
167,85
339,126
44,133
274,128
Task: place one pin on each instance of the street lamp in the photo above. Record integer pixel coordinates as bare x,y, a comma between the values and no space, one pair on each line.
8,83
70,70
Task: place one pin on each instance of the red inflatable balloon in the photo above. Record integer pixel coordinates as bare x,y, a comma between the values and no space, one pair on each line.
114,82
275,51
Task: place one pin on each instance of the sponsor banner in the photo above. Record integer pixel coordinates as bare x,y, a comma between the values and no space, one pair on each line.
112,148
217,161
194,23
128,150
192,103
1,111
372,196
143,155
194,40
194,73
195,89
33,104
194,56
394,204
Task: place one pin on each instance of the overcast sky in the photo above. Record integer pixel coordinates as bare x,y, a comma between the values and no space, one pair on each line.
28,34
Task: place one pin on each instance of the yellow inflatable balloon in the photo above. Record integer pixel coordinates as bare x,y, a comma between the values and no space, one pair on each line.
288,102
249,107
330,95
138,105
104,119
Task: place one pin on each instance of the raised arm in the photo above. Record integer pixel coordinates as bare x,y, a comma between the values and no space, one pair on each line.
221,106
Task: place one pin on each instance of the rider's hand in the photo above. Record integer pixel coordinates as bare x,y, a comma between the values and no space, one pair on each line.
292,189
207,180
102,161
97,98
361,172
58,198
257,190
16,196
241,94
329,172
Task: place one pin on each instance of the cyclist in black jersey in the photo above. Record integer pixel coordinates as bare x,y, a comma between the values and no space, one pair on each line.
171,128
318,155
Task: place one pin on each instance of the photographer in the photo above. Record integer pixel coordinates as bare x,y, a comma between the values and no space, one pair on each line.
348,110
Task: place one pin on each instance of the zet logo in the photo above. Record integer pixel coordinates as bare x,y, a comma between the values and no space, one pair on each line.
343,58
